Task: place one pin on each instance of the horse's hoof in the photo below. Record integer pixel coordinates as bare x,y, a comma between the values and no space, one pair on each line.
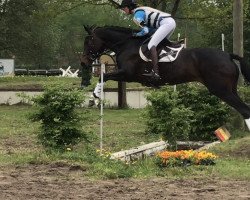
91,103
153,76
156,77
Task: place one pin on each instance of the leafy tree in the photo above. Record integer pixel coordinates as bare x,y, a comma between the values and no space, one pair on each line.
27,32
46,33
203,22
14,20
247,30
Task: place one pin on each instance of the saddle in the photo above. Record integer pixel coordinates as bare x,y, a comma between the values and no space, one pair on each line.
167,50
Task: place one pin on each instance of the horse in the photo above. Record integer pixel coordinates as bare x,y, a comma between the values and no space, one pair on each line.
213,68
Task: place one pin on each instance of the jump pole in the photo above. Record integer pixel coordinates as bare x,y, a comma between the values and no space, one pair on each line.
101,110
104,61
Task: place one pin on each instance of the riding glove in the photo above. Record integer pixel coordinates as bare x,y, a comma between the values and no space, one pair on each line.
134,35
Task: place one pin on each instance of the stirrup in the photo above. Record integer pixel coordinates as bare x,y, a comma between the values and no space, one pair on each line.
153,75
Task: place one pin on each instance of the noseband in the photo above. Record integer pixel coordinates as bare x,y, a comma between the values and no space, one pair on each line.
93,55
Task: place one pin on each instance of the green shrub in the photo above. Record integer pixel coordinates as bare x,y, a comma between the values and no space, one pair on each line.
166,115
189,113
61,123
209,111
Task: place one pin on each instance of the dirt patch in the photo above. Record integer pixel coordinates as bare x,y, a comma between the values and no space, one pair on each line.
239,149
243,151
62,181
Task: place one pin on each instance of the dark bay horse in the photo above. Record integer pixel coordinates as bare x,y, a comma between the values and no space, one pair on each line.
213,68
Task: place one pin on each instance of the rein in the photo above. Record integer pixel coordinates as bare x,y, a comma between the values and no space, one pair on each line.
94,55
118,43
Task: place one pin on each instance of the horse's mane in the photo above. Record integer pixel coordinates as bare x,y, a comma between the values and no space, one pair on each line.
119,29
105,32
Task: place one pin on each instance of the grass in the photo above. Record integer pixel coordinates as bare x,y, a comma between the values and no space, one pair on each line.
123,129
236,168
238,148
37,82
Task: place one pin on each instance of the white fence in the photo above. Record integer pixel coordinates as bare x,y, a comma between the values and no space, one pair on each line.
135,99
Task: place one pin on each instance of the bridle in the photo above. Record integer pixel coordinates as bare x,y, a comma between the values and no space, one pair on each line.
94,55
91,54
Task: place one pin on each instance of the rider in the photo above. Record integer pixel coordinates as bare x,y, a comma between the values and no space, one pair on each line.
150,19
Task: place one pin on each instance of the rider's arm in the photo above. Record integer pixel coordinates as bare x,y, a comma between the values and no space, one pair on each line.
139,19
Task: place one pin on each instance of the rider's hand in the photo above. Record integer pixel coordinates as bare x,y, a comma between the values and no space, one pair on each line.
134,35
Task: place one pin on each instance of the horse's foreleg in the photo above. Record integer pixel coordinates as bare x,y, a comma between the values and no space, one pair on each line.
98,89
116,76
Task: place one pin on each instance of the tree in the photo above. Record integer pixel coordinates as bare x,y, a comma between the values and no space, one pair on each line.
14,13
45,33
27,32
246,30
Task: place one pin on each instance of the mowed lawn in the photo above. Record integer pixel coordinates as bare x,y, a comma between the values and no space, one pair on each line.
122,129
37,82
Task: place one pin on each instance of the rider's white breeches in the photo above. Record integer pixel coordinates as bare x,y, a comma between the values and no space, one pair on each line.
166,29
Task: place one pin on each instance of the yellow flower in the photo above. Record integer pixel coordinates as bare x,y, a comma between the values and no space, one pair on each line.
194,157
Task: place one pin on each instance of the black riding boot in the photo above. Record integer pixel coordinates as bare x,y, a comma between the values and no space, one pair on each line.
155,71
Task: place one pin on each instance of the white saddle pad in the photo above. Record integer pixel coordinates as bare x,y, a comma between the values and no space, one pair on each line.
166,55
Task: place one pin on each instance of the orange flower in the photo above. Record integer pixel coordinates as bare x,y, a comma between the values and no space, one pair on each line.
193,156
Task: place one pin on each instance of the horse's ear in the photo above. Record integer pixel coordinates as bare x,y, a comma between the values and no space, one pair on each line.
88,29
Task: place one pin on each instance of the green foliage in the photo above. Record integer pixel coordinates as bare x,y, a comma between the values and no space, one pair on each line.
18,136
244,92
209,111
47,34
28,33
189,113
61,124
204,29
167,115
236,121
247,30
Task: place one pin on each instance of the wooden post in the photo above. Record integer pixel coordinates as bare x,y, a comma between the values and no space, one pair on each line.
238,27
238,37
238,31
122,97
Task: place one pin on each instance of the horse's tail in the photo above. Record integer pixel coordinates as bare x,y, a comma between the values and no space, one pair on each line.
245,70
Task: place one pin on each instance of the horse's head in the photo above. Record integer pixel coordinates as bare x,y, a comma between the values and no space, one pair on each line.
93,46
101,38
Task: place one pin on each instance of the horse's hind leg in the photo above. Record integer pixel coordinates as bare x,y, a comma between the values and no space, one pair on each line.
247,115
232,99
